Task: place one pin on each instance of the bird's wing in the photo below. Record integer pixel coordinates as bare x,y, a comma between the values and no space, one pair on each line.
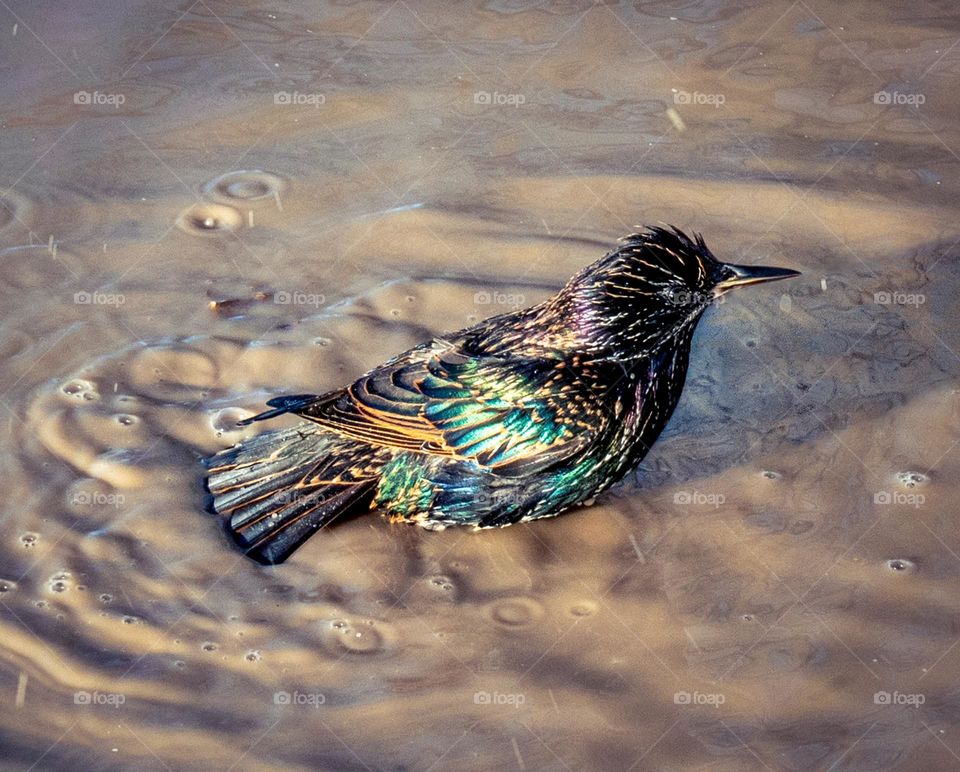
513,416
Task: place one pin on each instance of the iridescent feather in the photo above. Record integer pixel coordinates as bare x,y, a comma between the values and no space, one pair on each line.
517,418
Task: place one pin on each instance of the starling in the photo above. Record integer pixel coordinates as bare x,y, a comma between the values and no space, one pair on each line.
519,417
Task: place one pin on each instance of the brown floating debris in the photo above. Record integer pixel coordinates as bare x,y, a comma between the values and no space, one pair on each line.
229,305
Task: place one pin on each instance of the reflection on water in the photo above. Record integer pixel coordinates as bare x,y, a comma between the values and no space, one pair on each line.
204,205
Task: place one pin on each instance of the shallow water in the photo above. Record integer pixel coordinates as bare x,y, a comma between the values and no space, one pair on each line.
774,588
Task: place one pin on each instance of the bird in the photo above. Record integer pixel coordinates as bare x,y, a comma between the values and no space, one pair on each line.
518,417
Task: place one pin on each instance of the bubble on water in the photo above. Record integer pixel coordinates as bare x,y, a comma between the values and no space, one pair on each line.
226,420
747,617
179,663
394,312
209,219
40,603
771,475
584,608
7,585
365,641
358,637
129,619
208,646
911,479
105,597
516,612
901,566
29,539
321,341
78,388
443,583
125,419
253,655
245,186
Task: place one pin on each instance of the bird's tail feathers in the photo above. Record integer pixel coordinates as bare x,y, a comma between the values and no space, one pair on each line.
290,403
274,491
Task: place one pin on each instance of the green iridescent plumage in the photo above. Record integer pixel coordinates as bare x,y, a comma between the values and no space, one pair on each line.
516,418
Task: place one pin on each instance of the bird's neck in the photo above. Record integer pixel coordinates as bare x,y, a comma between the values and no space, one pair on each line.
658,383
578,323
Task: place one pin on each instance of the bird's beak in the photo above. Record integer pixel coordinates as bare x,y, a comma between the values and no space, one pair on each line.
752,274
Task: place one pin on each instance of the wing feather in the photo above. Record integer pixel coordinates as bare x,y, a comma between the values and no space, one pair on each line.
511,415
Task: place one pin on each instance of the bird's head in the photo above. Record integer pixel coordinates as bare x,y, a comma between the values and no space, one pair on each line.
653,288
